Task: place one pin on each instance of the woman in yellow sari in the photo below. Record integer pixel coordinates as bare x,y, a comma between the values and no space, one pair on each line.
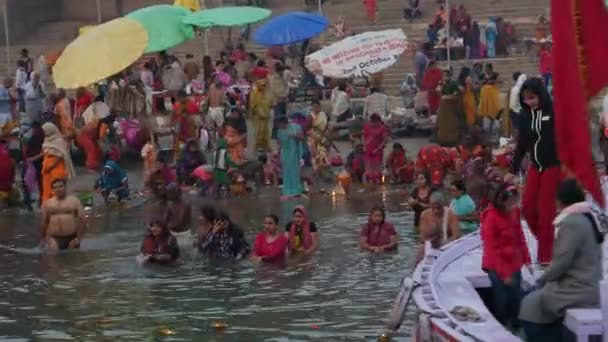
259,110
317,137
489,103
469,107
56,162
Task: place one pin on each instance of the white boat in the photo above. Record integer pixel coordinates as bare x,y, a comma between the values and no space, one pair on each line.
452,277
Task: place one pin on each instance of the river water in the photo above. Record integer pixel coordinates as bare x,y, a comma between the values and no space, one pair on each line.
100,293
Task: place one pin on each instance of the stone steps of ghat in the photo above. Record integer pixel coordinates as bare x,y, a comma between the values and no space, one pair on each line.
55,35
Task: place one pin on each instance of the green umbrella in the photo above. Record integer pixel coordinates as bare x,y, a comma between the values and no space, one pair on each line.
165,26
227,16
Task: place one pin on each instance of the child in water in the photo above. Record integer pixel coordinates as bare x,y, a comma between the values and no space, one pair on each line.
159,246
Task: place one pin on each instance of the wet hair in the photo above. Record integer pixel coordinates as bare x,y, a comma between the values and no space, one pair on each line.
273,217
373,90
21,64
261,63
437,197
208,212
315,102
380,208
99,98
398,146
570,192
489,66
279,68
223,216
536,87
59,180
459,184
342,86
189,55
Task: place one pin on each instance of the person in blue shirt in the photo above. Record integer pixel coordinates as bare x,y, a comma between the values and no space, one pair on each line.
463,207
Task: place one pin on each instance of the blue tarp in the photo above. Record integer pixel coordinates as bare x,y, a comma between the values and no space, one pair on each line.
290,28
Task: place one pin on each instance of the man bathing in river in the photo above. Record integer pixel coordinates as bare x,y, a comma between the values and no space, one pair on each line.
63,222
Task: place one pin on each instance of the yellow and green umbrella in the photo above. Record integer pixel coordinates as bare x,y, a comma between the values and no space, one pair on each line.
165,26
227,16
102,51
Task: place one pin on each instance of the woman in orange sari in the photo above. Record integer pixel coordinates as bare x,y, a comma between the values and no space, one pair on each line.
92,132
63,113
56,162
235,133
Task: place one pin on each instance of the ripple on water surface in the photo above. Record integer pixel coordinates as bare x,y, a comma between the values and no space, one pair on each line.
100,293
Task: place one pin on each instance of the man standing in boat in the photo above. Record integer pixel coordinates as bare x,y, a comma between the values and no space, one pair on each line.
63,221
537,137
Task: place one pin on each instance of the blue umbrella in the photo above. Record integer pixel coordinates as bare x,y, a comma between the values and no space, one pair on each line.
290,28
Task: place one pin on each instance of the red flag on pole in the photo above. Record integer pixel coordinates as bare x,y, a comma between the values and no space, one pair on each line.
580,45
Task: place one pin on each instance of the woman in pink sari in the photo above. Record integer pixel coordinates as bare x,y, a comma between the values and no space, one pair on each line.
375,135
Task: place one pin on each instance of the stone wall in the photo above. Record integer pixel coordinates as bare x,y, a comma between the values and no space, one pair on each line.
25,16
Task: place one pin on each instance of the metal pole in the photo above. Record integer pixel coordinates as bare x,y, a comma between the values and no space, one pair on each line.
320,7
447,41
7,37
98,12
205,38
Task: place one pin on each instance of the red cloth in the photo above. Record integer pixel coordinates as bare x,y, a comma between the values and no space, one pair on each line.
371,8
87,140
7,171
398,160
238,55
546,62
433,159
306,234
270,251
504,247
83,102
259,73
186,131
539,209
430,81
378,236
574,86
374,137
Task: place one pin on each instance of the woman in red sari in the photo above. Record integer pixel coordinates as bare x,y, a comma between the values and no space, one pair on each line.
375,135
431,80
270,245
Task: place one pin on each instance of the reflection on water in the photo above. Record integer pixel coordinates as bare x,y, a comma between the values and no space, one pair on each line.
100,293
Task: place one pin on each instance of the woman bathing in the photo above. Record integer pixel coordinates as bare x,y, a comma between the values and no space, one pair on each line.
377,235
270,244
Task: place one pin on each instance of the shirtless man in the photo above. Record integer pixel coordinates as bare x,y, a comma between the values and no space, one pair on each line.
438,221
179,218
63,221
217,98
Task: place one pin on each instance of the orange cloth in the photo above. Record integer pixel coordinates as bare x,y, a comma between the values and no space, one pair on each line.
64,117
47,178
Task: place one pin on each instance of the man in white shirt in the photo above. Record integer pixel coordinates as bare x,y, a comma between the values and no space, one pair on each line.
20,82
340,103
35,98
376,103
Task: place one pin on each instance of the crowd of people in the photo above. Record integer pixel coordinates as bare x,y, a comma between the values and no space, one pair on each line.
236,111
